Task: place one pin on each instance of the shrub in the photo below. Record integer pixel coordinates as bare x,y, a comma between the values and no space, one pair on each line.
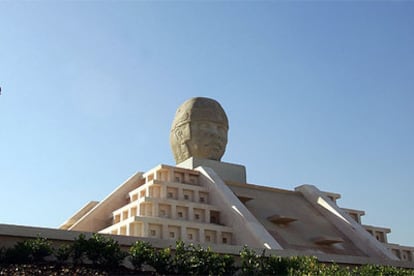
275,265
371,270
195,260
2,255
141,253
251,263
79,248
18,254
180,261
104,251
63,253
224,265
187,260
97,249
33,250
39,248
255,264
206,262
303,265
162,262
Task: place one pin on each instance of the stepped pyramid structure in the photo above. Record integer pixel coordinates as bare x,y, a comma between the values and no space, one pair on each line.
206,201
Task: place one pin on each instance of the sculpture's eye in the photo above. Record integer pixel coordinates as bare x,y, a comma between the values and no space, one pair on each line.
204,126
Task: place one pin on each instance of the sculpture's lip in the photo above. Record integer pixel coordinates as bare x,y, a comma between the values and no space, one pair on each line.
215,146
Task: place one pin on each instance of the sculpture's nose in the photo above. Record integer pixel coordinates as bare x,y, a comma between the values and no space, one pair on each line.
214,131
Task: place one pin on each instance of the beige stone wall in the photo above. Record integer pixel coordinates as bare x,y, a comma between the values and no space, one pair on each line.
171,204
216,206
10,234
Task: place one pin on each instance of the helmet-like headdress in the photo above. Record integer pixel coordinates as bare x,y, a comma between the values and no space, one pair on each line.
192,110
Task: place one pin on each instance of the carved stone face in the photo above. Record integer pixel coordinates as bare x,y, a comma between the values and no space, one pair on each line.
199,130
208,140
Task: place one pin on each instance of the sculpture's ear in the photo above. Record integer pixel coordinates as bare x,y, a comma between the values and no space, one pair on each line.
178,132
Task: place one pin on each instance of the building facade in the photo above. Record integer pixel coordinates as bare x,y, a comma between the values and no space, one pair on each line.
206,201
209,202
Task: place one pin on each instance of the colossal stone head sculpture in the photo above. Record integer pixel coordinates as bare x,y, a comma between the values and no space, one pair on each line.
199,130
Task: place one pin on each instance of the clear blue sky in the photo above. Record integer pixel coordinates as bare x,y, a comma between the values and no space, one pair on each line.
316,92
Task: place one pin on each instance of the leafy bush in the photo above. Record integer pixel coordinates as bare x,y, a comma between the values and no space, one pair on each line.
185,260
33,250
2,255
371,270
255,264
63,253
18,254
39,248
161,261
195,260
276,265
106,253
206,262
303,265
141,253
79,249
180,260
251,262
97,249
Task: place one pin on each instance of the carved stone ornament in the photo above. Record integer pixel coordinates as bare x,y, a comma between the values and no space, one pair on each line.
199,129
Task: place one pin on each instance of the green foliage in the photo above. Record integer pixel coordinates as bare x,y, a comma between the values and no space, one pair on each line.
63,253
79,249
195,260
141,253
303,265
250,261
33,250
179,262
276,265
225,265
255,264
374,270
18,254
2,255
161,261
39,248
97,249
206,262
104,251
184,260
